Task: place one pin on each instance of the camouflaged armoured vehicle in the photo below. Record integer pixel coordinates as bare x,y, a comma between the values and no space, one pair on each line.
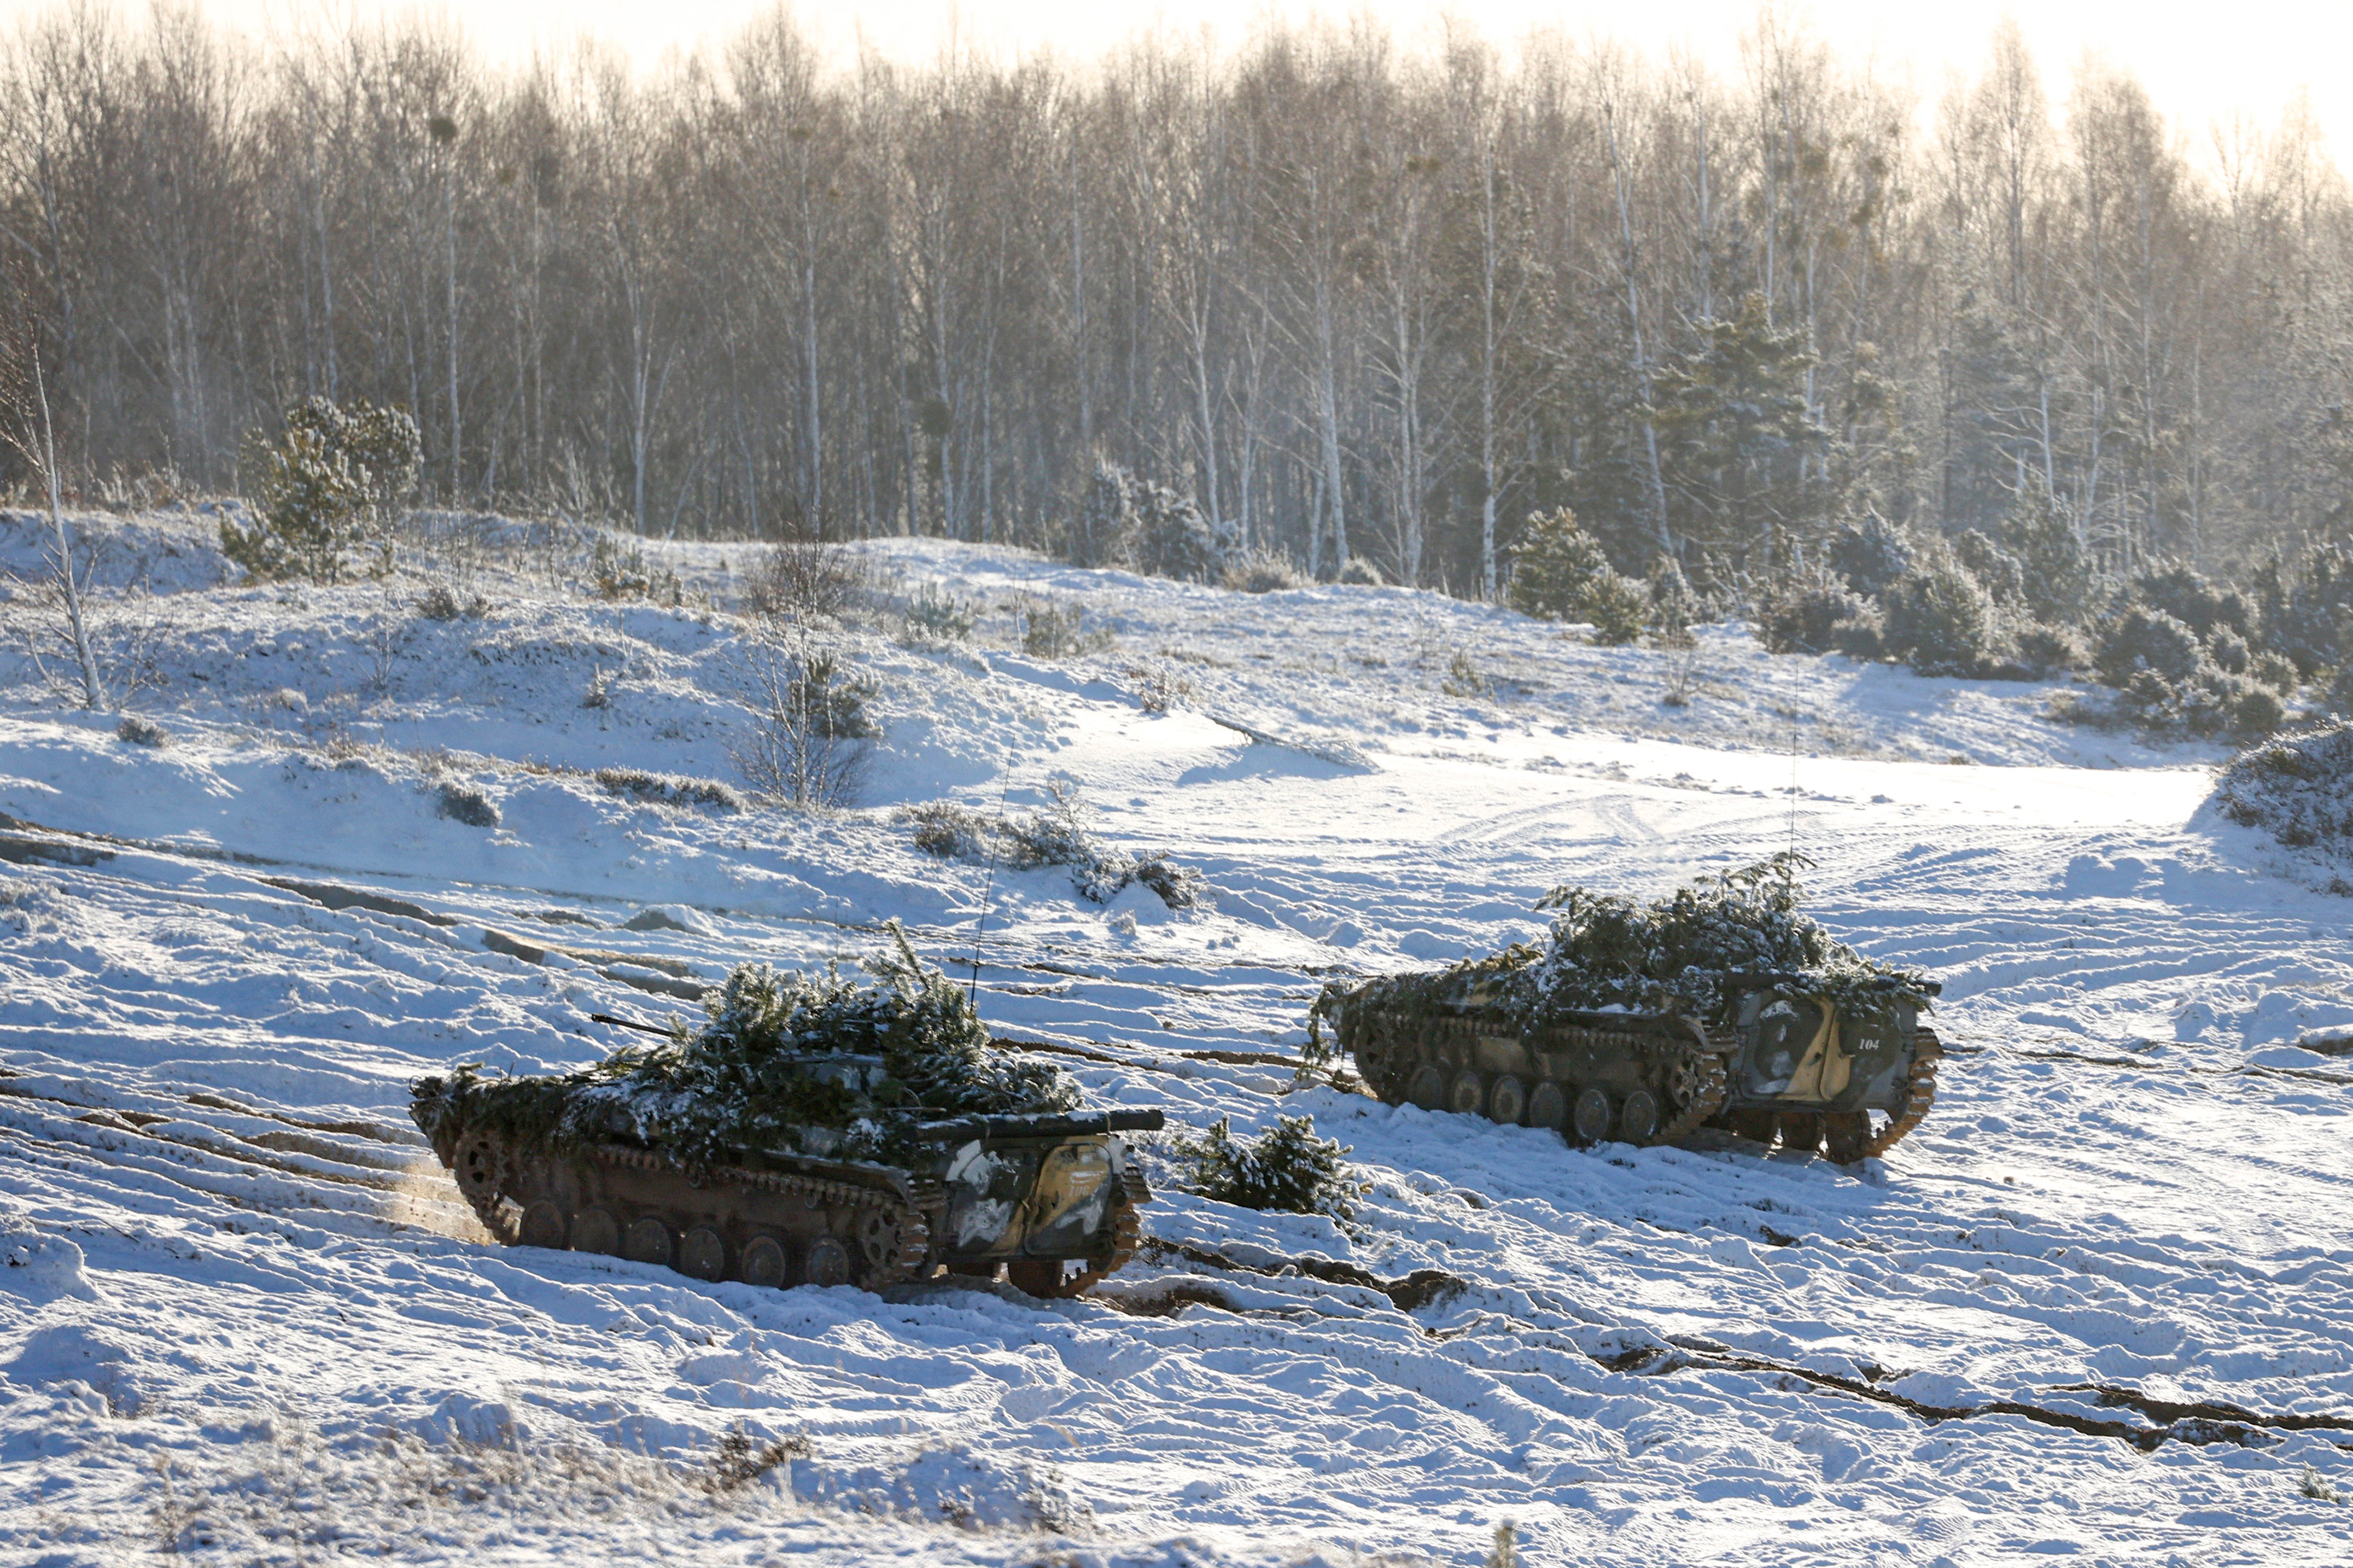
814,1130
1779,1064
1051,1197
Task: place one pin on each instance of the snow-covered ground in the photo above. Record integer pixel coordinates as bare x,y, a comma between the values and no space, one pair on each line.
2099,1304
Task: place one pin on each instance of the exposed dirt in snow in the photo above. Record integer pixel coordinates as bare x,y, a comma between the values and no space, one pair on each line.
2099,1303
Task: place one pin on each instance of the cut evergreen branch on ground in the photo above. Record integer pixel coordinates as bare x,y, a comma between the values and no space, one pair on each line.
1287,1168
1056,834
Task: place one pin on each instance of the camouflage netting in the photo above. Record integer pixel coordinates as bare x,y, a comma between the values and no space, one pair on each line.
813,1063
1672,954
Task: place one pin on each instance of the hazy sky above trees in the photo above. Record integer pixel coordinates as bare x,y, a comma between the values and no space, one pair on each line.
2201,64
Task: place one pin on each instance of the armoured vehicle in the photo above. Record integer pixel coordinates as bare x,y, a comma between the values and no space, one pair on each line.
1778,1062
1053,1197
813,1131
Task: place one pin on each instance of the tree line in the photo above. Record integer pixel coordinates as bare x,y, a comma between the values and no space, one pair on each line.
1353,301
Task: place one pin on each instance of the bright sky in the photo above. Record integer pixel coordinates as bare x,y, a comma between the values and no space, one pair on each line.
2201,63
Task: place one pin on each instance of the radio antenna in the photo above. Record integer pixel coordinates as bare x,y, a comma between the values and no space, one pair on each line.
988,892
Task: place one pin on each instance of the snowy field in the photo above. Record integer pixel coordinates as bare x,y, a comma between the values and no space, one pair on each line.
2100,1304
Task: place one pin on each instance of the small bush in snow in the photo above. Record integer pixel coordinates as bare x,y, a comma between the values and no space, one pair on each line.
443,602
1682,671
1822,617
29,904
327,486
1463,678
2297,787
2047,650
666,789
1159,688
2168,677
141,731
2204,607
1172,538
1287,1168
1940,620
807,582
808,745
1262,571
1560,573
2001,574
1618,608
1870,556
936,618
2055,571
619,571
600,689
1049,630
736,1461
1057,833
467,803
1358,572
1675,606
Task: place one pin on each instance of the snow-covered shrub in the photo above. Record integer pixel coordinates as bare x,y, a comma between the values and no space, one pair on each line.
2168,677
2204,607
2307,609
2001,574
808,743
1940,621
327,486
1172,539
1618,608
468,803
1675,607
1821,617
2298,787
666,789
1358,571
1262,571
753,1075
1870,556
1160,688
1464,678
2044,651
2055,572
805,581
142,731
935,617
29,904
1056,834
1052,630
1104,530
617,571
443,602
1287,1168
600,689
736,1461
1555,567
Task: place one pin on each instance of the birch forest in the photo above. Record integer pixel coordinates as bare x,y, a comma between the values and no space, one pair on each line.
1354,299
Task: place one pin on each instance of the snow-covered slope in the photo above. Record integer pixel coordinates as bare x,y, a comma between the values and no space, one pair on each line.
2099,1304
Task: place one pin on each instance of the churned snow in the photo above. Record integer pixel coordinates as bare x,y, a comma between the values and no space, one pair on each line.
2098,1305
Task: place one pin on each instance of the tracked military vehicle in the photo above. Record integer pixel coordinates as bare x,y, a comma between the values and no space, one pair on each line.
812,1131
1720,1008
